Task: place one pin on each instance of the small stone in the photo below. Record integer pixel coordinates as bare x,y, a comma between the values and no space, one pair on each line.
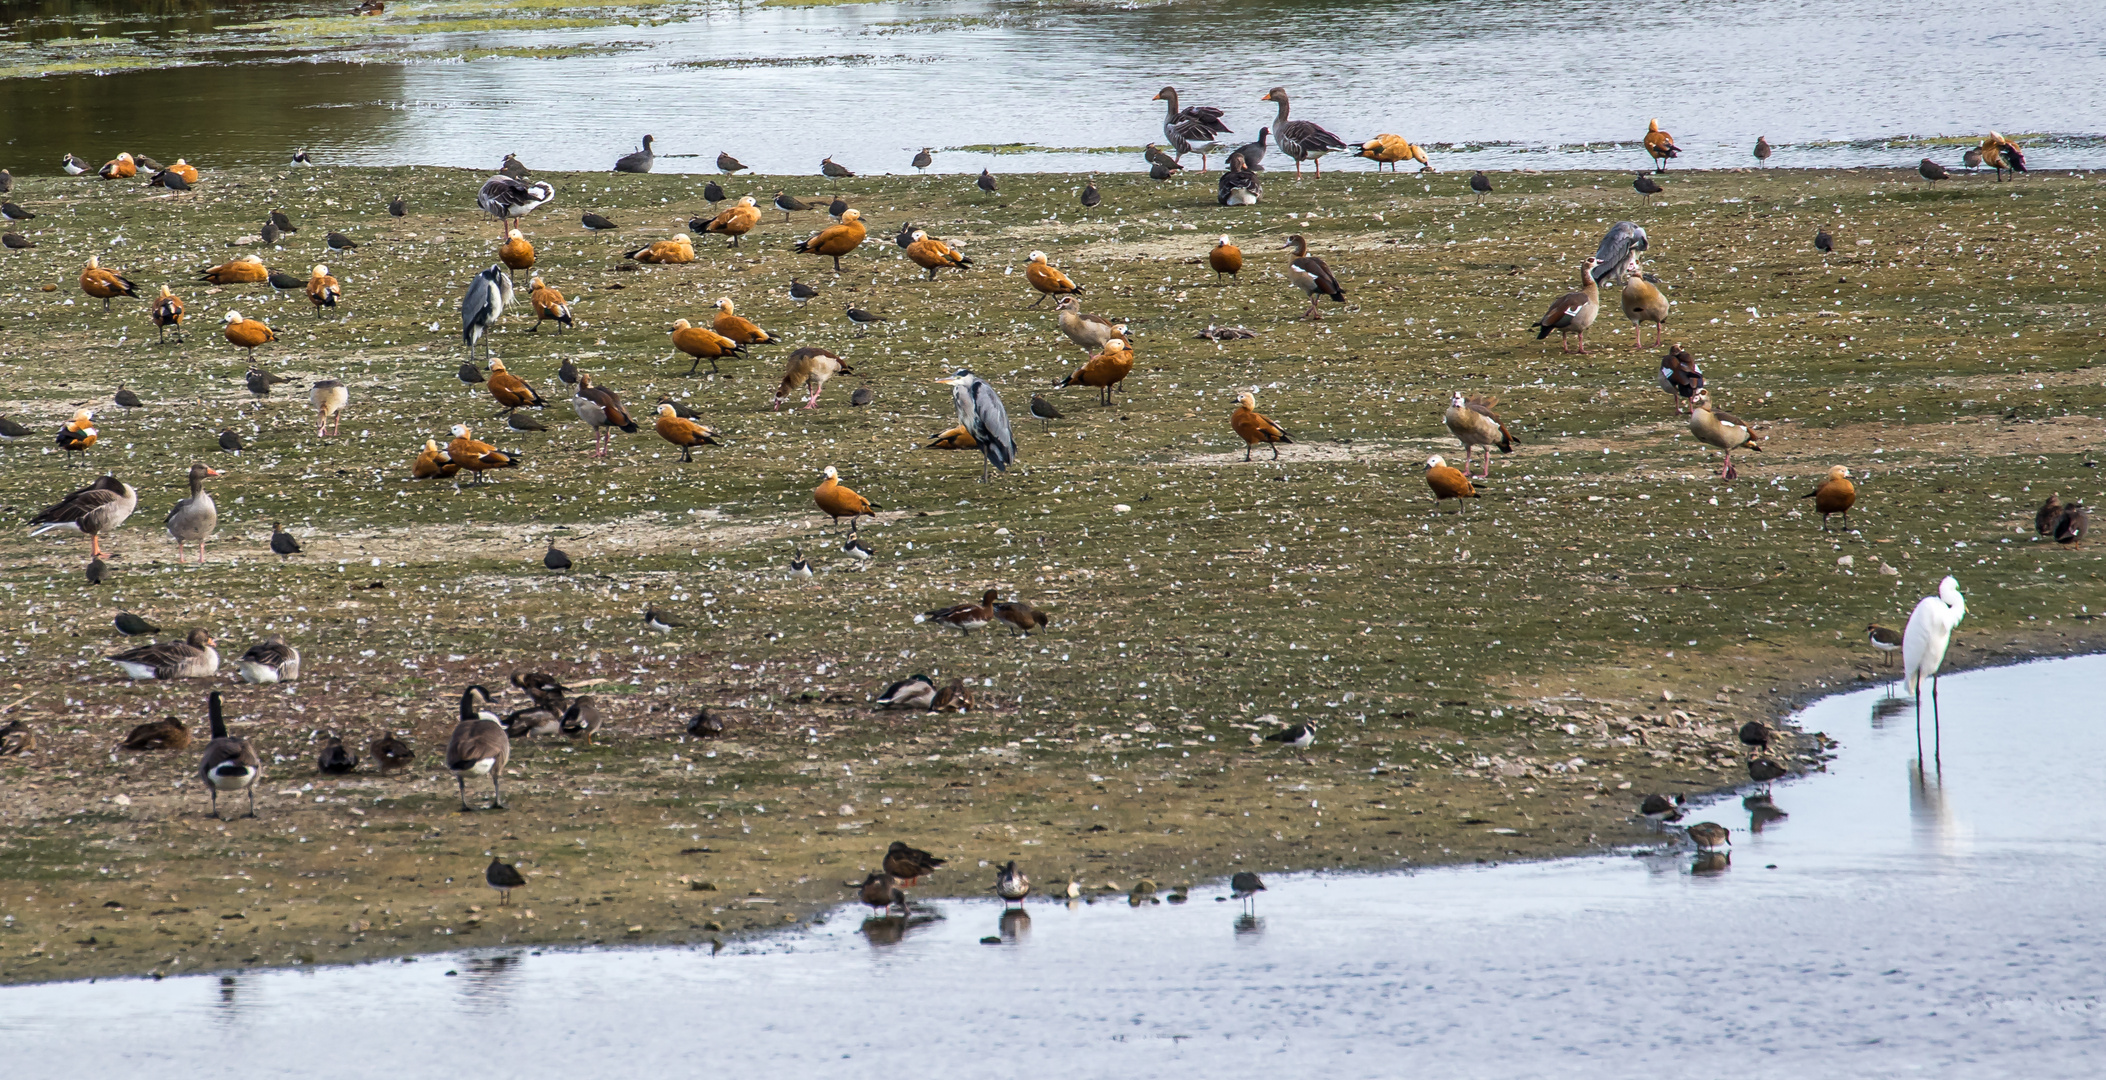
1667,695
990,940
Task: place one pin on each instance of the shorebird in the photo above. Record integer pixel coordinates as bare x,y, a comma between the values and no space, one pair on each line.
1931,170
1762,149
1090,195
1886,640
499,876
1764,771
1927,636
910,864
1710,836
1481,184
1245,886
1822,242
881,892
1297,738
1646,187
284,544
923,159
1662,807
1755,734
554,558
729,165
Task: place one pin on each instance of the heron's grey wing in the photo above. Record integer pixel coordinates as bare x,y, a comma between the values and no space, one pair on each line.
476,303
1615,249
503,281
962,401
994,421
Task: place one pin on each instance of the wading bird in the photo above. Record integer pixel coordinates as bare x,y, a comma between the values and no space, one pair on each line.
1927,636
981,414
482,305
1884,639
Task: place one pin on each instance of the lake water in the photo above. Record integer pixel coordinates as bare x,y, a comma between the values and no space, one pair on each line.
1897,921
1543,84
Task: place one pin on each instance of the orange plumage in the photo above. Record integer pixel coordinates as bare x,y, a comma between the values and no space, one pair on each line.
1254,427
736,221
120,168
1104,370
738,329
1225,258
682,432
838,502
1660,145
1391,149
246,270
548,304
1448,482
245,333
677,250
932,255
79,433
510,390
470,453
432,462
322,289
517,252
702,343
835,241
1047,280
104,285
956,438
1836,495
168,311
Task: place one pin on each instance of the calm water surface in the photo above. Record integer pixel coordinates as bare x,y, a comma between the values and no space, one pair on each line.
1515,83
1899,921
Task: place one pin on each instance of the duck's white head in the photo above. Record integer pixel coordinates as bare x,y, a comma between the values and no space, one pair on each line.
515,234
1224,242
749,201
1436,461
1038,256
831,474
460,431
681,238
231,317
920,235
321,270
724,304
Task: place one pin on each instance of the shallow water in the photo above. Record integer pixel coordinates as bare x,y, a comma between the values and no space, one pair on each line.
1892,924
1515,83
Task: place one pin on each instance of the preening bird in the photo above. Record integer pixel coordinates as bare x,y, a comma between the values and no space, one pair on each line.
1447,483
1928,635
736,221
1721,429
432,463
1643,302
673,252
77,436
1192,129
1311,275
1391,149
913,692
247,270
2003,154
981,414
323,290
1300,139
1660,146
482,305
1253,427
508,199
269,662
1476,426
1616,257
932,254
1680,376
1836,495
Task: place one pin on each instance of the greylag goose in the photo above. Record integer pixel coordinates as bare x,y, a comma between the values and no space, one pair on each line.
1300,139
1193,129
195,657
638,162
478,747
1476,426
508,199
1573,312
92,511
269,661
1721,429
229,763
1310,275
192,520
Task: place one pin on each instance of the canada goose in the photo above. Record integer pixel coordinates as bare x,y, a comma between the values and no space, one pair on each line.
478,747
131,625
167,733
1476,426
194,657
93,511
706,725
582,719
1011,884
229,764
1253,427
909,864
1660,146
965,617
1573,312
497,875
1047,280
335,759
912,692
1447,483
269,661
836,501
881,892
1836,495
1721,429
1312,276
391,752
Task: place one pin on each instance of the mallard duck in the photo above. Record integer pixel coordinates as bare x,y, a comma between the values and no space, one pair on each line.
1721,429
93,511
1300,139
269,661
1476,426
909,864
229,763
1573,312
965,617
1253,427
335,759
478,747
167,733
1836,495
912,692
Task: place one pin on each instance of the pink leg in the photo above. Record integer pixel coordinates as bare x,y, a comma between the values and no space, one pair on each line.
813,401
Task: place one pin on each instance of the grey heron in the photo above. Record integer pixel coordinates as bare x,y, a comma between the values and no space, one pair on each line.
1613,257
486,299
980,411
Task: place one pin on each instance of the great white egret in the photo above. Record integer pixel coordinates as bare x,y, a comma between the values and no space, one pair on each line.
1927,636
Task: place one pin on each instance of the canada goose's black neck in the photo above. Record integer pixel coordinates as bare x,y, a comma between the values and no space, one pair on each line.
219,720
468,711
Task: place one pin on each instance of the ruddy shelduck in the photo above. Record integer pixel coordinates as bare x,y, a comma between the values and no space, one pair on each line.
703,343
247,270
682,432
322,289
1254,427
548,305
1225,259
836,501
1105,370
245,333
1047,280
738,328
736,221
516,252
1660,145
834,241
511,391
1447,483
671,252
1836,495
932,254
104,285
470,453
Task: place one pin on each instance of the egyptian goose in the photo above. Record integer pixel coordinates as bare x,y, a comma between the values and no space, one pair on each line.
1836,495
1446,483
1643,302
932,255
269,661
1021,617
965,617
1660,145
432,463
908,864
703,343
881,892
682,432
194,657
1573,312
740,330
728,164
104,285
737,220
638,162
981,413
245,333
1238,186
283,544
836,501
391,752
329,397
1047,280
548,305
1679,375
1475,425
167,733
1225,258
93,511
1931,170
830,167
601,408
167,311
482,305
1254,427
1310,275
2003,154
835,241
478,747
809,366
511,391
1721,429
322,289
953,438
247,270
1300,139
78,435
229,763
508,199
1391,149
1191,129
671,252
912,692
582,719
1105,370
193,520
122,167
1089,332
470,453
516,252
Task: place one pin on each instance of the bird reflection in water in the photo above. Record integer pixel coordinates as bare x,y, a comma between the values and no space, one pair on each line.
1714,843
228,1007
1928,812
1887,708
485,980
1249,926
1762,813
892,929
1015,924
1711,862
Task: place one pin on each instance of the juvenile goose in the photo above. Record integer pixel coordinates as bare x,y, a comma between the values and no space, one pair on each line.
167,733
582,719
966,617
1680,376
910,864
1047,280
1643,302
229,763
269,661
1836,495
1476,426
1253,427
912,692
478,747
1721,429
1311,275
192,520
836,501
1447,483
1573,312
93,511
336,759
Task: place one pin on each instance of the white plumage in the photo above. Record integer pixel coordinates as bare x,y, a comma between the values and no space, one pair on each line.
1929,632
